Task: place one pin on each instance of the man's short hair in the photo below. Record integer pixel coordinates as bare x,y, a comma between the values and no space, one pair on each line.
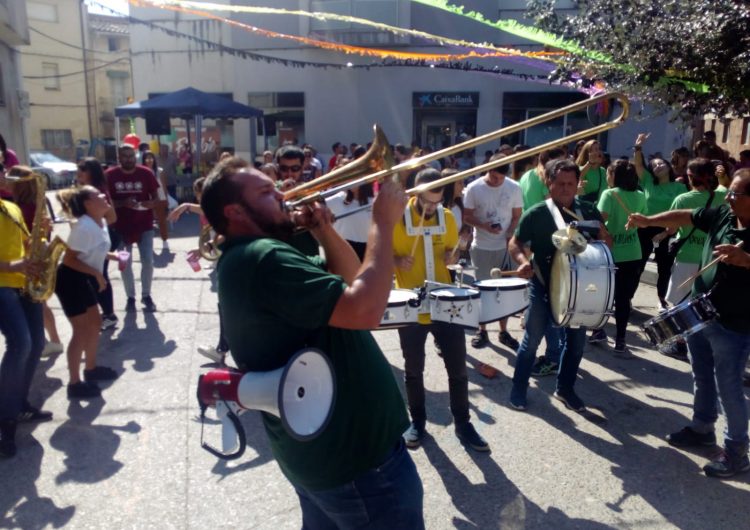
289,152
123,147
554,167
505,168
744,176
402,150
335,146
220,190
428,175
709,134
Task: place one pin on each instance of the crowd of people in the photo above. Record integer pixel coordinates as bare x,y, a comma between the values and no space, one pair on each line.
340,270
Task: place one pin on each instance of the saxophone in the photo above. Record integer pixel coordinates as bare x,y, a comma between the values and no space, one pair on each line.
40,287
207,244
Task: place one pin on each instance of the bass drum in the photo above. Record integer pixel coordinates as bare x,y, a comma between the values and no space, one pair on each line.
582,287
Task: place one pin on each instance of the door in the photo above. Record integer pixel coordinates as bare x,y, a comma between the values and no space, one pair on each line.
438,133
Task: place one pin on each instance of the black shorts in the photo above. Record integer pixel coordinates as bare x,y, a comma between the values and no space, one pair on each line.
76,291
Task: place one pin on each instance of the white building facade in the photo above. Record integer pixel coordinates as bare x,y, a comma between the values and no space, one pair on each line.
14,101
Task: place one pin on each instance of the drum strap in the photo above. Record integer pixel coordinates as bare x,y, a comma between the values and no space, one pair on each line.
426,232
557,216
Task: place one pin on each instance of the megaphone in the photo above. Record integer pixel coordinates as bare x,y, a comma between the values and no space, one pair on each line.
301,394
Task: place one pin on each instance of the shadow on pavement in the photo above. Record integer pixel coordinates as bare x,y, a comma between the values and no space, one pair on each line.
141,345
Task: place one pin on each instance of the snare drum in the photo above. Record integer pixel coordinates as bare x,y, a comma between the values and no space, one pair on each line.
455,305
582,287
501,297
680,321
402,309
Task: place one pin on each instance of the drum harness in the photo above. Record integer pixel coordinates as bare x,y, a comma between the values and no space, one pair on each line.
429,258
560,223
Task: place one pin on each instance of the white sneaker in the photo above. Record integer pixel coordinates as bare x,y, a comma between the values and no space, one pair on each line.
212,353
52,348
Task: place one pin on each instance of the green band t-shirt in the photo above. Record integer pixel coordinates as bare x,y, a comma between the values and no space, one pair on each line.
275,301
659,197
533,189
625,243
691,250
596,183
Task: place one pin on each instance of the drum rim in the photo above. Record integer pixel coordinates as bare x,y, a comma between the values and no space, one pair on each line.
462,298
516,287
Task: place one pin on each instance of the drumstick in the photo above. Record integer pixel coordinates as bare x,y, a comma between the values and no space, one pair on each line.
571,213
498,273
619,200
704,269
416,239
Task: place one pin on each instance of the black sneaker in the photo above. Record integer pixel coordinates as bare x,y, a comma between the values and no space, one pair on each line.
83,390
507,340
480,339
148,305
130,305
687,437
542,367
413,436
31,414
570,400
518,398
598,335
728,464
110,321
469,436
100,373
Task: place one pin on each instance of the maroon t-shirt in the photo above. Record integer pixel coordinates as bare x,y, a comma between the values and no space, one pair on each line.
141,184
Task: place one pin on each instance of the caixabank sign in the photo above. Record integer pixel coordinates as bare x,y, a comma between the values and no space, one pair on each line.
424,100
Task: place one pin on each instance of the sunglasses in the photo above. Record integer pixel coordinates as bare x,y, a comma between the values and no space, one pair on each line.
289,169
732,195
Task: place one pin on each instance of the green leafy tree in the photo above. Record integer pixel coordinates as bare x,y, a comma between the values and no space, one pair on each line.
690,56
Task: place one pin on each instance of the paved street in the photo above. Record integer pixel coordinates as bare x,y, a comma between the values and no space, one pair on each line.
133,459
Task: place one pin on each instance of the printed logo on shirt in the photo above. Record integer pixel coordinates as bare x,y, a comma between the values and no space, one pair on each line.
625,239
119,186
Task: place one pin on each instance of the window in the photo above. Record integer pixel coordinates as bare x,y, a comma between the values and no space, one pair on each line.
119,87
41,11
113,44
51,76
53,139
746,131
385,11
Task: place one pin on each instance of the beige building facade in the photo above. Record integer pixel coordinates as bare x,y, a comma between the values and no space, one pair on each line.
76,69
14,105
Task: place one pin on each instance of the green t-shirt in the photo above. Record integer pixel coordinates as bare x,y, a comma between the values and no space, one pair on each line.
625,243
659,197
536,227
691,250
275,301
596,183
533,189
730,284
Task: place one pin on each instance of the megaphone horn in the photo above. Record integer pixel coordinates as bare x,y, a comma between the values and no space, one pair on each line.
301,395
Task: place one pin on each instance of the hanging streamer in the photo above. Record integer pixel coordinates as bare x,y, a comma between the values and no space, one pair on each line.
209,6
344,48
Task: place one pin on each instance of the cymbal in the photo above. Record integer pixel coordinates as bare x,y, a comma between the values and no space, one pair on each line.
459,267
569,240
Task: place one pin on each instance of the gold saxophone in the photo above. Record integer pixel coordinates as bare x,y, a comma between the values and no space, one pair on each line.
40,287
207,245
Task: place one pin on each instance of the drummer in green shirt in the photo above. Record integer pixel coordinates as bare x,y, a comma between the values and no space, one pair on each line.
704,194
534,183
658,183
616,203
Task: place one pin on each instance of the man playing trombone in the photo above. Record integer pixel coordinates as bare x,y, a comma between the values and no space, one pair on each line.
276,301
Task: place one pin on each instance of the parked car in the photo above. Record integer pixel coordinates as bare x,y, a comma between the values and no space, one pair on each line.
59,172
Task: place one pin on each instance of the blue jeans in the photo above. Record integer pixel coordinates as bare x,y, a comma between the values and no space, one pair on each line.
539,323
22,324
146,251
388,496
718,357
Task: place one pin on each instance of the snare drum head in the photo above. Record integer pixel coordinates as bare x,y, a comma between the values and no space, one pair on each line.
400,297
559,286
454,293
504,284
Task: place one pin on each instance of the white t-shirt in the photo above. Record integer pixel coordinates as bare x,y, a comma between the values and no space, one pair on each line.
90,240
492,204
356,227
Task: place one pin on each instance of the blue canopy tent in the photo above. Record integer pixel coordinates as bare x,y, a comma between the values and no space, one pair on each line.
190,103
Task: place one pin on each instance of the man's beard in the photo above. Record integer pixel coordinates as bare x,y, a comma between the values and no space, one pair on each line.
282,230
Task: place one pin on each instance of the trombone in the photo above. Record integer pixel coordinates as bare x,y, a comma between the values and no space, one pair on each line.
378,157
